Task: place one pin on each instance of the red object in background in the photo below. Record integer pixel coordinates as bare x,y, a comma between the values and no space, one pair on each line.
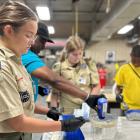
102,76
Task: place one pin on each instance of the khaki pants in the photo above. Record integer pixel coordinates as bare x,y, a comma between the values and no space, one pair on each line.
16,136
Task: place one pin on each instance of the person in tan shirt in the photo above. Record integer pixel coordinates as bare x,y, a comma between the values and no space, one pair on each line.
78,70
18,27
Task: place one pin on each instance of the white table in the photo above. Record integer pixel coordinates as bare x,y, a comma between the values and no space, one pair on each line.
124,130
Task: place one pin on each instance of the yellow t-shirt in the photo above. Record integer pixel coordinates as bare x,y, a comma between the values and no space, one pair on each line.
127,78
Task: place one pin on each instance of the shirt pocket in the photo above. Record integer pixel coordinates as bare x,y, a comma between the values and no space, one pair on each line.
83,78
68,74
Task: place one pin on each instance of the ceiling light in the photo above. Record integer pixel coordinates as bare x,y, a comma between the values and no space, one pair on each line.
43,12
125,29
51,29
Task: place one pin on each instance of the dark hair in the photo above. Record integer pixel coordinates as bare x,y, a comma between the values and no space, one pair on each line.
15,14
136,51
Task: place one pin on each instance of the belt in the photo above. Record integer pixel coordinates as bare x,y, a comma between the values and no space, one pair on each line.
12,134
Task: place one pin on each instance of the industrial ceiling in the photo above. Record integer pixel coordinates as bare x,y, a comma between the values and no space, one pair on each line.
98,19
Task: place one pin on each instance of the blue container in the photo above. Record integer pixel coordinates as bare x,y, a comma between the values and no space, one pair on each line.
102,108
74,135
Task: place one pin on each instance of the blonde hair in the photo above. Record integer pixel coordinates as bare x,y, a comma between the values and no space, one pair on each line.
15,14
73,43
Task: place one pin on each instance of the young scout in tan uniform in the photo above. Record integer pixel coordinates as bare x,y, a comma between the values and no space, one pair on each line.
18,27
82,72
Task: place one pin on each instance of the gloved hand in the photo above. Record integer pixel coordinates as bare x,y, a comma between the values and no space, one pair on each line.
93,99
72,124
119,98
53,113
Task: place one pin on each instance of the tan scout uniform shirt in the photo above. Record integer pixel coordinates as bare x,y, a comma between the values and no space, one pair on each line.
82,76
16,94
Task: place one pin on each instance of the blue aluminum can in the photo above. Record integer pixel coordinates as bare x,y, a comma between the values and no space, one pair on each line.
102,107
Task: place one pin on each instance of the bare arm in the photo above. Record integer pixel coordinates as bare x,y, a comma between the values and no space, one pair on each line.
96,89
119,89
58,82
54,99
23,123
119,97
39,109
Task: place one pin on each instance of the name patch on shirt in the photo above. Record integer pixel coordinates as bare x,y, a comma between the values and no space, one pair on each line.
82,80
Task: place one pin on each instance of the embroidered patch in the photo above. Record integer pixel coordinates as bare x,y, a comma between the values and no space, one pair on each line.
25,96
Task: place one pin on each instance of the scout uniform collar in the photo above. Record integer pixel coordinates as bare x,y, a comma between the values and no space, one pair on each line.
67,63
9,54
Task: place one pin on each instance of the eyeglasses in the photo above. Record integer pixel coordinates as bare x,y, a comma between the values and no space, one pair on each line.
31,37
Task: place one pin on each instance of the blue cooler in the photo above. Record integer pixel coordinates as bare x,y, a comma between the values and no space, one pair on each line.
74,135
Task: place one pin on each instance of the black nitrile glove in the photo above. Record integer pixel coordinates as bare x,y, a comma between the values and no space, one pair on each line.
72,124
93,99
119,98
53,113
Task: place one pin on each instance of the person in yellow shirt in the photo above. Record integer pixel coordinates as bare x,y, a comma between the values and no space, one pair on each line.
128,81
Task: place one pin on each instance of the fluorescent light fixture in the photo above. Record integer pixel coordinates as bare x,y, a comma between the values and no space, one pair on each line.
51,29
125,29
43,12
